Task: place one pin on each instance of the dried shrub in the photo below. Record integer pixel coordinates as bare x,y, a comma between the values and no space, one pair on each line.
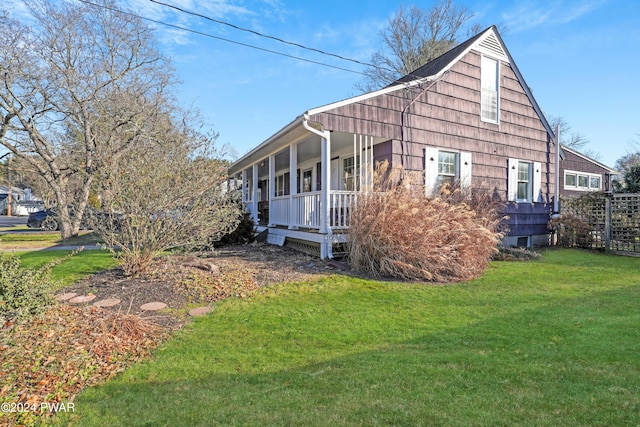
243,233
572,231
398,232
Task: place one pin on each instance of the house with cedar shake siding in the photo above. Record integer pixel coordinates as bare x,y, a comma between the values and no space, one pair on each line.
580,174
468,116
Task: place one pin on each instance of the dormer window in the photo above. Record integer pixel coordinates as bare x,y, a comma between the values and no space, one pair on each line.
489,99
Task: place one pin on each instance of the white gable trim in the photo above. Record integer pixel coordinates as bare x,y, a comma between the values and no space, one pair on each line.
525,86
368,95
489,45
416,82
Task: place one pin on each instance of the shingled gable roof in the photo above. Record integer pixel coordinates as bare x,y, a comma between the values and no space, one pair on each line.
439,64
487,41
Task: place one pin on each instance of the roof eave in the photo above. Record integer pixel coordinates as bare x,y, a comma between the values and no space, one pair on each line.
252,155
579,154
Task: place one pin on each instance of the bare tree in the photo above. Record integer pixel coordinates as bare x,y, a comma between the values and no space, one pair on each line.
77,83
164,193
413,37
570,139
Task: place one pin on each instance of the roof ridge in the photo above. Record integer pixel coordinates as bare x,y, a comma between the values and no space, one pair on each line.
437,64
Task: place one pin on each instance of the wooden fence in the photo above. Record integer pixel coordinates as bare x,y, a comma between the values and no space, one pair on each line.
614,219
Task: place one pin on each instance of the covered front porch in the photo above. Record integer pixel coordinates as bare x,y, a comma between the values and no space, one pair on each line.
303,182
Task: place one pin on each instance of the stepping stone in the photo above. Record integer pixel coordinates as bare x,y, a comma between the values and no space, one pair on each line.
153,306
200,311
82,298
66,296
109,302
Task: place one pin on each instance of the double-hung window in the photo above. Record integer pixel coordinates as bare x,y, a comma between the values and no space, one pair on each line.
489,96
351,175
282,185
448,163
279,185
306,181
446,167
524,181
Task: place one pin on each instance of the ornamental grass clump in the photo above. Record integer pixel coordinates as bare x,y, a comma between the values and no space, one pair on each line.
397,231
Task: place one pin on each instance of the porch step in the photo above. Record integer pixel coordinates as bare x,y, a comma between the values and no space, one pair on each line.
276,239
340,251
262,235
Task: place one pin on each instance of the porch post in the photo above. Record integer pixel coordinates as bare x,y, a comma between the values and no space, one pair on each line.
272,187
243,185
293,186
254,192
325,196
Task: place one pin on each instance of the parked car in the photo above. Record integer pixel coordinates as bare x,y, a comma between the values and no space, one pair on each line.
47,219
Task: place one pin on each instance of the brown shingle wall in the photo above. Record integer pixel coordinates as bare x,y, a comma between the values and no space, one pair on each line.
446,114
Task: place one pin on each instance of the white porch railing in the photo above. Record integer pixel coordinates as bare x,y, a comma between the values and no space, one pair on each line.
307,210
341,205
280,208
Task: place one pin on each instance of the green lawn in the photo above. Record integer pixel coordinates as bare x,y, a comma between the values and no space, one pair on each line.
553,342
83,264
35,239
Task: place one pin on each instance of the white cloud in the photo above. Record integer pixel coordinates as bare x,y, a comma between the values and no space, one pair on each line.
215,9
526,16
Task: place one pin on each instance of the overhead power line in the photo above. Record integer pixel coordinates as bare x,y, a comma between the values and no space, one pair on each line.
113,9
257,33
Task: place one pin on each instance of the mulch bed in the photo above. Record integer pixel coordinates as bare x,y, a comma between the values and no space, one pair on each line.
52,357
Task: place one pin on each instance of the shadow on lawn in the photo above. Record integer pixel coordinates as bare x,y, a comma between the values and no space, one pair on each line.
572,362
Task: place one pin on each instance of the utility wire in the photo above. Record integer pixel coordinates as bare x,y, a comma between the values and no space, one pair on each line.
208,18
312,49
113,9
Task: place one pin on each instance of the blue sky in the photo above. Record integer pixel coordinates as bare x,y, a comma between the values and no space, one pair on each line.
581,58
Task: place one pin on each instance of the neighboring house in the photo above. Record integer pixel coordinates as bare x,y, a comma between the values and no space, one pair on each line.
17,194
580,173
466,116
22,201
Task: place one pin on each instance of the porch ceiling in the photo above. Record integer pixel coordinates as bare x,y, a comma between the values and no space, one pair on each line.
309,147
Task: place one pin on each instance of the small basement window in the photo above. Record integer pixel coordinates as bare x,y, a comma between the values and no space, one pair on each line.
522,242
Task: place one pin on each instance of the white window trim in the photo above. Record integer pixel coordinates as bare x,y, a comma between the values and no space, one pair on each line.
356,174
277,188
463,169
482,118
577,187
535,193
302,172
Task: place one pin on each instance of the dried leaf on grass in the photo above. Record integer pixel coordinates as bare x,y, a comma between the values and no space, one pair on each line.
52,357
